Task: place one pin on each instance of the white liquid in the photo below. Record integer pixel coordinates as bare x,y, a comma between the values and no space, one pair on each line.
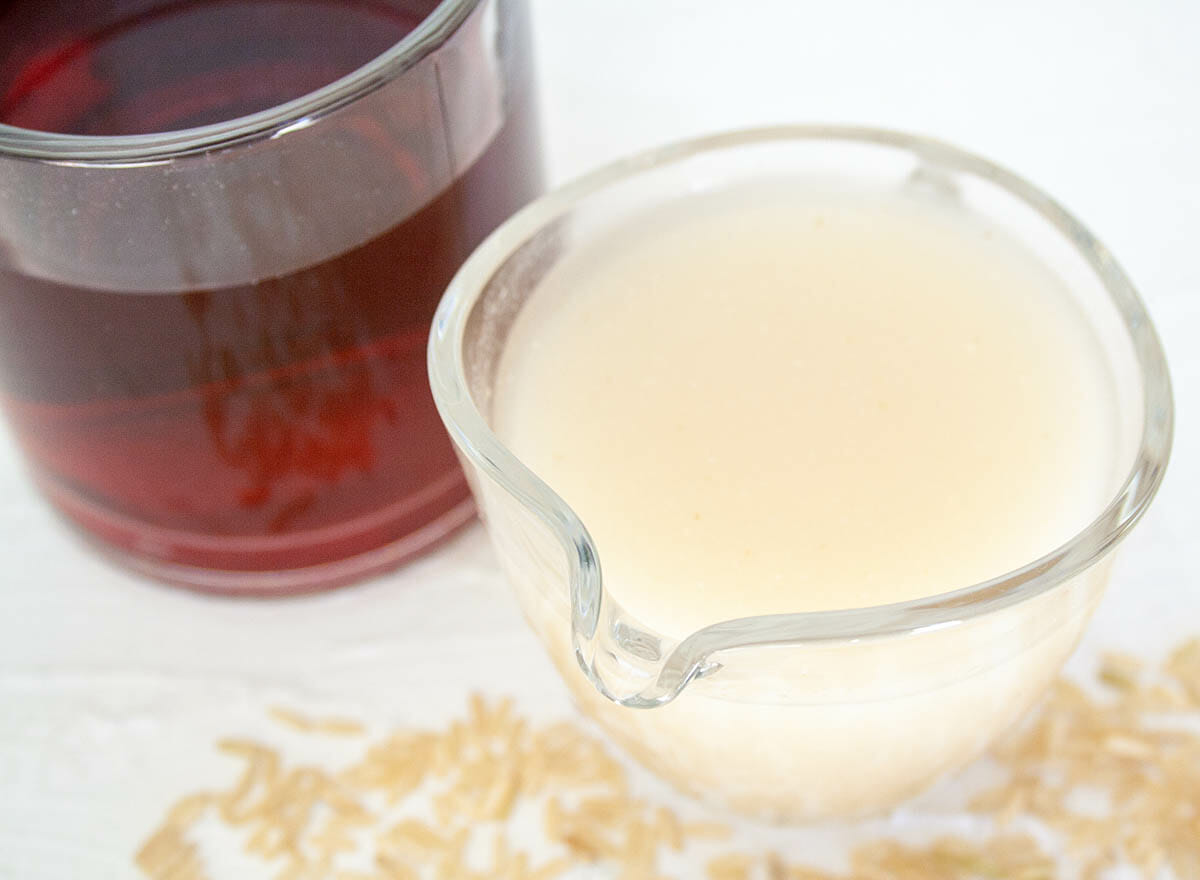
792,398
787,400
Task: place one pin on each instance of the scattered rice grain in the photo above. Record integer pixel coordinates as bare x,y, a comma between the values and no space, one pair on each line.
1123,747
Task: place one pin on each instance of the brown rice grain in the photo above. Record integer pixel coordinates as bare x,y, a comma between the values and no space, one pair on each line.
733,866
186,811
1120,671
326,726
707,830
168,855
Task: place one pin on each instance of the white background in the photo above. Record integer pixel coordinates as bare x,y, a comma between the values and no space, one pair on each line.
113,689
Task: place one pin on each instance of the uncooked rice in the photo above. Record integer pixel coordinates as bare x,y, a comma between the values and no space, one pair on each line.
327,726
1134,749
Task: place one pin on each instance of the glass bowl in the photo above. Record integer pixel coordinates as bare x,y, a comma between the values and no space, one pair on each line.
798,716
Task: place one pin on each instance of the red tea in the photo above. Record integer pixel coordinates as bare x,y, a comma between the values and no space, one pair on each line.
133,66
277,424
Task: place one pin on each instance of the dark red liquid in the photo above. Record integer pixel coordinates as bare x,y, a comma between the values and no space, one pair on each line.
273,425
136,66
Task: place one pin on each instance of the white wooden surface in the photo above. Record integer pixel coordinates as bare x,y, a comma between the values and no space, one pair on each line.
113,689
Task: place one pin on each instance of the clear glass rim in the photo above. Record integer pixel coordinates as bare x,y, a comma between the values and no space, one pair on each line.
431,33
684,660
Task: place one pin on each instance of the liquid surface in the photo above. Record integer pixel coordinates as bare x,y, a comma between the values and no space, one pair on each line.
88,67
790,399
